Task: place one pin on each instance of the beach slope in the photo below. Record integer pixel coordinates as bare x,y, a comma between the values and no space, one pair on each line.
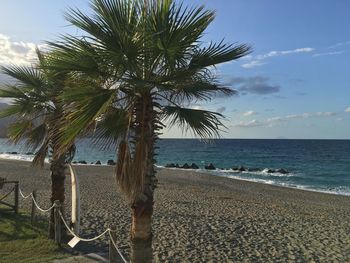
203,218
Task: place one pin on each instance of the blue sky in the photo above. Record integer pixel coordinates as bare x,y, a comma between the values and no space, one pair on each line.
295,84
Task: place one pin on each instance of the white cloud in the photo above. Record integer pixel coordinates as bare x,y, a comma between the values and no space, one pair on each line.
258,60
328,53
285,52
19,53
347,110
249,124
340,44
279,119
253,64
249,113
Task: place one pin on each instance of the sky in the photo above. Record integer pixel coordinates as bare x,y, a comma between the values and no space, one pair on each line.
295,83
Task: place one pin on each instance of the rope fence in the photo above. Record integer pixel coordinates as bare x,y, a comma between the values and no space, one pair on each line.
56,205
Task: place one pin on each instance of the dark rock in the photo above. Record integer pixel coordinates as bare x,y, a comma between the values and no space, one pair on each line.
186,166
210,167
241,168
82,162
170,165
13,152
111,162
98,162
29,153
177,165
194,166
270,171
75,162
282,171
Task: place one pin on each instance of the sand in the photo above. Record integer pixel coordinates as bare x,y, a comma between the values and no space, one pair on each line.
204,218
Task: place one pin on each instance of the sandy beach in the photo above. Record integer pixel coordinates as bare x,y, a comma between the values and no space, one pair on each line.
204,218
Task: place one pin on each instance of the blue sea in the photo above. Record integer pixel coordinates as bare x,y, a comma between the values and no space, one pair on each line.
316,165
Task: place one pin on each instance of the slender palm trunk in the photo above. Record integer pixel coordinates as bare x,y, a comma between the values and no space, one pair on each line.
57,167
142,209
58,177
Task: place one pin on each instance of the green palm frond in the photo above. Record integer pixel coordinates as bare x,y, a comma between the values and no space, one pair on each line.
112,126
215,54
204,124
19,130
84,105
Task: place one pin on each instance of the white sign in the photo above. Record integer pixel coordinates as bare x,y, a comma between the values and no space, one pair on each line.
73,242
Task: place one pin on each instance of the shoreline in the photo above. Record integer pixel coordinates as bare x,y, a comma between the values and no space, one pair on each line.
219,173
200,218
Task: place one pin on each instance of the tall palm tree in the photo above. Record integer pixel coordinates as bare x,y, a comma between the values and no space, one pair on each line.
142,62
37,109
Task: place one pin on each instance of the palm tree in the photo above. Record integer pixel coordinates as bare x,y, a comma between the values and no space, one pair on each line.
142,63
37,112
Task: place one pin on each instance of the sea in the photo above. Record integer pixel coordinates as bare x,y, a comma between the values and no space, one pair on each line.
315,165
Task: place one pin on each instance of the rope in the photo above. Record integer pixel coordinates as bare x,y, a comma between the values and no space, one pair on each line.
82,239
68,228
36,204
6,195
42,210
116,247
92,239
24,197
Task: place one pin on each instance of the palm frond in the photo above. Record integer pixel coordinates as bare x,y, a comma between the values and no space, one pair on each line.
19,130
84,105
111,127
204,124
215,54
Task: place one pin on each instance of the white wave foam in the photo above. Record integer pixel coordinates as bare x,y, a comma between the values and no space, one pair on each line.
19,157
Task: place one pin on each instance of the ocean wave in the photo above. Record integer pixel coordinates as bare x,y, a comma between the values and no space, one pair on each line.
19,157
271,179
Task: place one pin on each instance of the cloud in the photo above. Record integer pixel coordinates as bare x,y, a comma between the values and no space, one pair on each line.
19,53
347,110
328,53
258,60
340,44
249,113
255,85
253,64
249,124
285,52
221,109
270,122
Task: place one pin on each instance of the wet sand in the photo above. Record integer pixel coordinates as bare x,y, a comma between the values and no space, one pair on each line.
204,218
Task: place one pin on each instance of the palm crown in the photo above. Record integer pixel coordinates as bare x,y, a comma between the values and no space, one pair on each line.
34,105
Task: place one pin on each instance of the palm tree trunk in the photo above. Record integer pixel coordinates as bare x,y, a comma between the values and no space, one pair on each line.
58,176
142,209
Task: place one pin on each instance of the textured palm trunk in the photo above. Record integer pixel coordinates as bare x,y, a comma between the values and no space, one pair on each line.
142,209
58,176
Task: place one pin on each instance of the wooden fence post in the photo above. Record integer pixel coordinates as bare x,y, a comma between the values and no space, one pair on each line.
57,222
16,197
32,216
113,254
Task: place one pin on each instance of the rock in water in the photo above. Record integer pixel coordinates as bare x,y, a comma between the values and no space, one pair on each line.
194,166
170,165
270,171
98,162
282,171
241,168
186,166
111,162
210,167
82,162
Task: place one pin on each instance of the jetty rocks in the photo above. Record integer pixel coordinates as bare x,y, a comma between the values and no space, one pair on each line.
267,170
185,166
